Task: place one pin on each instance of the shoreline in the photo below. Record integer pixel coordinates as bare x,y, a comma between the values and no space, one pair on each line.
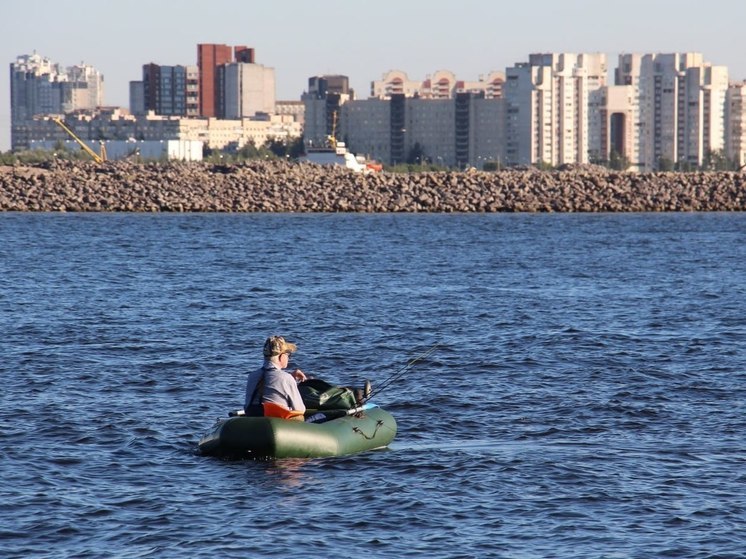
279,186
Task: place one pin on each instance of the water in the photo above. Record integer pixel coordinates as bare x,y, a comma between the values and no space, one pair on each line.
587,399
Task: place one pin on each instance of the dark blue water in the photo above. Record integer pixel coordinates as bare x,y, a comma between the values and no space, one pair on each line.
587,398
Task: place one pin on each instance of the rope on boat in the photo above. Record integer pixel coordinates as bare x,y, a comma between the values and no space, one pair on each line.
359,431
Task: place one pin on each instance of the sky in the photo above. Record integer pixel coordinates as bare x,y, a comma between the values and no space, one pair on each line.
362,39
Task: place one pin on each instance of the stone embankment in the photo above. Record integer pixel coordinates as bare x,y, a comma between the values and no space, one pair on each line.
268,186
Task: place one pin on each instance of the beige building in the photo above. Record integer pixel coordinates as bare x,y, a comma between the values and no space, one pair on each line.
119,125
680,105
367,124
553,109
736,124
38,86
293,109
619,118
247,89
192,91
86,91
441,120
442,84
460,132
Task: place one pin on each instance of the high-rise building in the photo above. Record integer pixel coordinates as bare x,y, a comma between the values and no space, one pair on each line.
680,102
321,86
137,98
619,120
209,58
440,85
553,109
322,102
39,86
736,124
192,91
246,89
166,89
457,126
34,87
465,131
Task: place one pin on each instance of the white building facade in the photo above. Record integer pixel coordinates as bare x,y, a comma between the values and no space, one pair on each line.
465,131
680,101
442,84
39,86
553,109
441,120
117,125
735,131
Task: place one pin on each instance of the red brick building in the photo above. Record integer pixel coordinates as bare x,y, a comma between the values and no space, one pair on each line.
209,58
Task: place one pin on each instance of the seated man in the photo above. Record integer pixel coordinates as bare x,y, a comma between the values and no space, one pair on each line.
272,391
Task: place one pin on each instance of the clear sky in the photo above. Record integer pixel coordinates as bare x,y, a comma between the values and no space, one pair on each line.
362,39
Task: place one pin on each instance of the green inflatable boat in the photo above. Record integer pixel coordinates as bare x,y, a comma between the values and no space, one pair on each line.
365,428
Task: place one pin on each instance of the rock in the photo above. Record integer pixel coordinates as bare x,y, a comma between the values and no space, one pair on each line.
269,186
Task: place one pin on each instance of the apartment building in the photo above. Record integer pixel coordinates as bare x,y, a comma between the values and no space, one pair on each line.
210,57
322,102
293,109
459,132
735,125
245,89
619,125
553,107
442,84
440,120
165,90
680,105
365,123
39,86
226,83
119,125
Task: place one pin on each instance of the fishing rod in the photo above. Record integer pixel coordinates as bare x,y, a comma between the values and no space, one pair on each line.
400,372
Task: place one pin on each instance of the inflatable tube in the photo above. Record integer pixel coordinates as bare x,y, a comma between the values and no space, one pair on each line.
270,437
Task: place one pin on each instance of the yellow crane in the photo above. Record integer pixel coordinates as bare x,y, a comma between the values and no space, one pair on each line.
96,157
332,138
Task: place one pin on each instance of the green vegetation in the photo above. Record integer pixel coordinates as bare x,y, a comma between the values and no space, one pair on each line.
417,162
718,161
543,166
415,168
37,156
618,162
272,149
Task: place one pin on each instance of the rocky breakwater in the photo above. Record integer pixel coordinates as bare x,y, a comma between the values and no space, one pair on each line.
270,186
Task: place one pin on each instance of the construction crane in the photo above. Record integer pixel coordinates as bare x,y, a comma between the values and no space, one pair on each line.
96,157
332,138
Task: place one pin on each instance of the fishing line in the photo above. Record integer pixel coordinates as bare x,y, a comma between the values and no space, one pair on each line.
399,373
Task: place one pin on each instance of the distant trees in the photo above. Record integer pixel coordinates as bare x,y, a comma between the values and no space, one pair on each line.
718,161
416,155
618,161
274,148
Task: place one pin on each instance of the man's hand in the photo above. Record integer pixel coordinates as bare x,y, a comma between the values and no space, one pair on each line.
299,375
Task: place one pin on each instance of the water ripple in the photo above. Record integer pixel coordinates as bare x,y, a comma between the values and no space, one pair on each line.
586,399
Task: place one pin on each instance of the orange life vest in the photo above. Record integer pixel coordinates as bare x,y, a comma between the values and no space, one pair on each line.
276,410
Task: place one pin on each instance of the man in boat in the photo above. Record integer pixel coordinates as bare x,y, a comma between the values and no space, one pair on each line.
272,391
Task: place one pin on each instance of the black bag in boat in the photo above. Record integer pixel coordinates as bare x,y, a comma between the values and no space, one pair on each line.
320,395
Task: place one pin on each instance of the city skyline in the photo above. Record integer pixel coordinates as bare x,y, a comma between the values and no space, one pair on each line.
303,39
